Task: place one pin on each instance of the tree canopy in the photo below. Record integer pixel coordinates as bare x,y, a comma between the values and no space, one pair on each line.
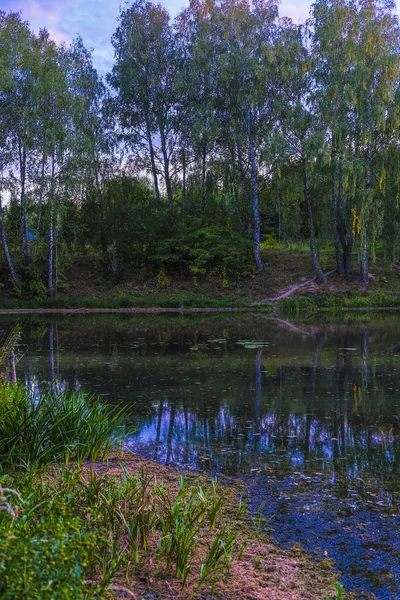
213,132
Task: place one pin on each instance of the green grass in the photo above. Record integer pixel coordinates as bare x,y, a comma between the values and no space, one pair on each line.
156,300
73,534
56,427
334,302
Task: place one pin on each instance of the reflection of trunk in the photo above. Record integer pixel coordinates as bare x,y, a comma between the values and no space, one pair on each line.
364,350
170,432
320,277
51,357
12,376
319,340
187,444
6,251
257,403
344,372
158,430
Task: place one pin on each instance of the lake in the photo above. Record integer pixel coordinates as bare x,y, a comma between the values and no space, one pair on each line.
307,414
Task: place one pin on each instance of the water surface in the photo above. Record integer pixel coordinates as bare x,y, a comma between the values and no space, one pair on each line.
308,414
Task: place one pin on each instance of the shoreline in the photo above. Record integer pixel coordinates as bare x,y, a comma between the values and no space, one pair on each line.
275,308
132,310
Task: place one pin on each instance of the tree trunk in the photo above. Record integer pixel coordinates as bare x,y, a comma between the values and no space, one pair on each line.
100,192
51,246
203,179
6,251
338,253
347,256
320,277
183,201
51,232
364,222
364,254
25,250
166,168
35,247
153,163
256,214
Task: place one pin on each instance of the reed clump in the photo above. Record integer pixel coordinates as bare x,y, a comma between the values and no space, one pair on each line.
55,427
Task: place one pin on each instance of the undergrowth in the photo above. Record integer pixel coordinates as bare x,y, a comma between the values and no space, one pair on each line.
71,534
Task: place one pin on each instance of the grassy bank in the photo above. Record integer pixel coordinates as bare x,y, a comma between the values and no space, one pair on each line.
339,302
79,519
122,301
87,285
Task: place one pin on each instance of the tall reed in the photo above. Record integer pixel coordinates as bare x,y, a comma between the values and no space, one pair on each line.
54,427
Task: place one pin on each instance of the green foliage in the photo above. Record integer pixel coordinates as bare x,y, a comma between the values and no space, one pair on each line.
69,533
57,426
44,550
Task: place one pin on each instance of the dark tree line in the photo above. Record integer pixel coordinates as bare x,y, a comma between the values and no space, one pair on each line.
211,133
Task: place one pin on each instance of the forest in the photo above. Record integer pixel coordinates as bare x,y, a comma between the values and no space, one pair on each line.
220,133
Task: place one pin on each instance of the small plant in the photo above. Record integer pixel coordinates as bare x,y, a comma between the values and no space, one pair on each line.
218,559
270,242
259,521
162,279
339,589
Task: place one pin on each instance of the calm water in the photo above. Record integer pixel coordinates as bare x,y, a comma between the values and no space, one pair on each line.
308,414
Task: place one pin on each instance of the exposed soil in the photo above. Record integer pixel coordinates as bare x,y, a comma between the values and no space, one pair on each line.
264,571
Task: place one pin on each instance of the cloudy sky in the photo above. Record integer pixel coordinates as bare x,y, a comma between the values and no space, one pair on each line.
95,20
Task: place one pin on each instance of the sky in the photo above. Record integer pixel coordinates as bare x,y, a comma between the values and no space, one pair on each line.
96,20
